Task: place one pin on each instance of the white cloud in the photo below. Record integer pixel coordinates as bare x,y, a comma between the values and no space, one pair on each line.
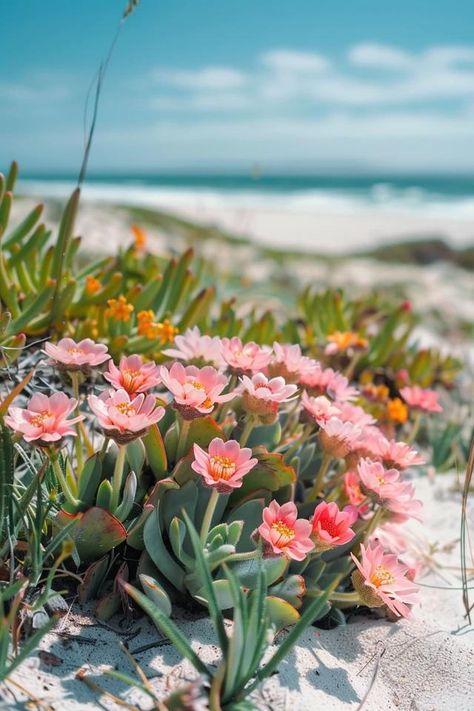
286,60
205,78
294,78
380,56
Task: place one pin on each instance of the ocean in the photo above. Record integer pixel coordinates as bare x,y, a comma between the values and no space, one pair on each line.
447,196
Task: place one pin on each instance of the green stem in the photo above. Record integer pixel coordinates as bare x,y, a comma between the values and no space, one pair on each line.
248,427
349,372
78,443
207,520
416,427
351,597
374,522
250,555
117,477
318,482
184,426
70,498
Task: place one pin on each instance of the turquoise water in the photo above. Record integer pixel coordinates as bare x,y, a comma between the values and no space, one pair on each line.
448,196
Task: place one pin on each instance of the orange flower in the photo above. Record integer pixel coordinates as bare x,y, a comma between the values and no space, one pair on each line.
166,330
397,411
119,309
140,238
93,285
378,393
341,341
152,330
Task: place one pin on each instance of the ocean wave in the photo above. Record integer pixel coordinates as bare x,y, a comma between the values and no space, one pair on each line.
380,197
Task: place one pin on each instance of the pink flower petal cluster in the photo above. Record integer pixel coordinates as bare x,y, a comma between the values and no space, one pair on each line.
191,346
421,399
285,533
133,375
224,465
320,409
354,414
244,358
289,363
262,396
44,420
398,454
338,438
354,493
124,417
381,579
331,526
326,381
196,391
77,356
389,490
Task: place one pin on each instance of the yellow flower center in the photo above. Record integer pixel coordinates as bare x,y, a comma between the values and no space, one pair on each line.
38,420
126,408
222,467
381,576
286,533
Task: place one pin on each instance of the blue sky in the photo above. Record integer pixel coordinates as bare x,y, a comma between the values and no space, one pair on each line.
311,85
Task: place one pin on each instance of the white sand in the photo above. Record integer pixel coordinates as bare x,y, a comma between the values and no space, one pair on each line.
328,232
424,664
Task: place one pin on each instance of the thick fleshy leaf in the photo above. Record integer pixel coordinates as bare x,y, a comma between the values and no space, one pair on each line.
291,589
281,613
156,452
271,473
89,481
96,533
251,514
135,452
92,580
156,593
247,571
202,431
159,552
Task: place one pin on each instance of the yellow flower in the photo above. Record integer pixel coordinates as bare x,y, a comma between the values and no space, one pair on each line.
140,238
397,411
119,309
93,285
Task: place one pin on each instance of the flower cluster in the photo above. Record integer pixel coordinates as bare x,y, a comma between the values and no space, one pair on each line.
356,489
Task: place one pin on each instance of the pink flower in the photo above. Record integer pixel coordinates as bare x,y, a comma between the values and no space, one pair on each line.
381,579
224,465
245,357
290,363
125,418
319,408
77,356
354,493
284,532
191,346
331,527
370,442
132,375
354,414
420,399
398,454
326,381
338,438
389,490
196,390
378,480
44,419
262,396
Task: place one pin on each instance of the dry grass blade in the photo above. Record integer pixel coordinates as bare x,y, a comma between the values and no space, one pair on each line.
465,534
